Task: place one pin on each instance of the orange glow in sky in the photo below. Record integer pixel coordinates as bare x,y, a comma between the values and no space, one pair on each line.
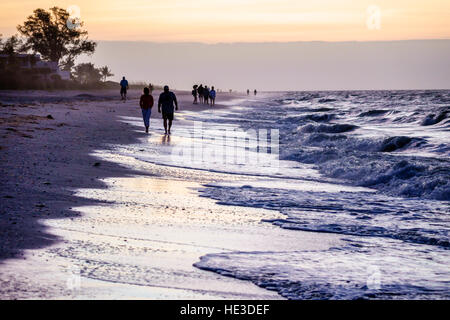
213,21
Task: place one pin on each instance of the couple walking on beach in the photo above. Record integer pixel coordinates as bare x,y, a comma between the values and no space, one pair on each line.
166,102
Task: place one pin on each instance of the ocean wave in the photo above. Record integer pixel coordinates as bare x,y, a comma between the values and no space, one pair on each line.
414,235
328,128
373,113
323,137
326,117
326,100
368,163
396,143
396,177
359,270
323,109
349,213
432,119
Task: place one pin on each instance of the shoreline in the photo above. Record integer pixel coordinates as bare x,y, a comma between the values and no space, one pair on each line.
62,211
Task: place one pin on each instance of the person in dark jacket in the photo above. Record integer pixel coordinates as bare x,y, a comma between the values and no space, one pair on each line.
166,102
205,95
194,93
200,93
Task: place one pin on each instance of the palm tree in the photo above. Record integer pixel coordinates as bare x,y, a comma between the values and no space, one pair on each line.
105,72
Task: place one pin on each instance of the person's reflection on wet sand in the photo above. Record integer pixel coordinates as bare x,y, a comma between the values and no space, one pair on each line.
165,139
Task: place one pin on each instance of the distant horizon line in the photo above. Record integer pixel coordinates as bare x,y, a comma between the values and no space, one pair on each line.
313,90
270,42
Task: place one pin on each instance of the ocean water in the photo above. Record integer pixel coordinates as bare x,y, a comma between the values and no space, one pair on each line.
371,166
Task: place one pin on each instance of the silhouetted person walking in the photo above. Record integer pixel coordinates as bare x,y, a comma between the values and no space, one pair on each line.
255,92
248,92
123,88
205,95
212,96
146,104
200,93
166,102
194,94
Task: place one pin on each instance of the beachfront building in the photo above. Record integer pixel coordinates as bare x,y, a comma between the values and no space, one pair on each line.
33,63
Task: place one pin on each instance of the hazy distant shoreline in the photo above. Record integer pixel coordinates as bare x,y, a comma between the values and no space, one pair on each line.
291,66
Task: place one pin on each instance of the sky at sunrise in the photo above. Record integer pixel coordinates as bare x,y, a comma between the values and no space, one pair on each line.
213,21
264,44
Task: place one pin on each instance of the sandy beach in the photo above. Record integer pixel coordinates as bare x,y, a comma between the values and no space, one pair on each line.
79,220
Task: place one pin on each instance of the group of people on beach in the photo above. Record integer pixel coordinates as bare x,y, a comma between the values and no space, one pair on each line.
167,102
205,95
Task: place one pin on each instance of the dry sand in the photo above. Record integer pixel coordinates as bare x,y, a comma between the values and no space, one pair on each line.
79,221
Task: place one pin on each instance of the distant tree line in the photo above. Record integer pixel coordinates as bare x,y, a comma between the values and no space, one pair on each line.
51,35
87,73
